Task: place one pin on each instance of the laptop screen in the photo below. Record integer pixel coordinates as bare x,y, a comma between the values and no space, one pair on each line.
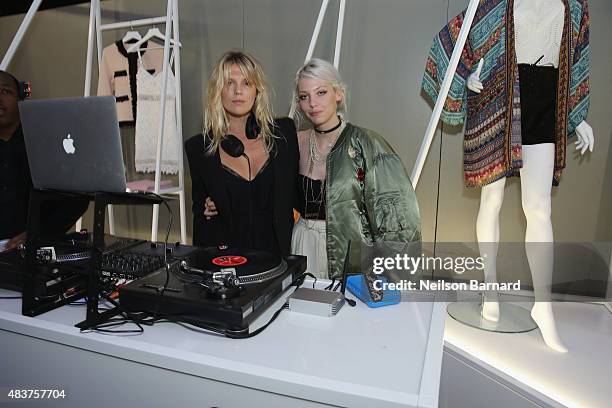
74,144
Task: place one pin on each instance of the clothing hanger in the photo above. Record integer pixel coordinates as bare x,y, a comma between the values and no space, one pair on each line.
131,36
152,33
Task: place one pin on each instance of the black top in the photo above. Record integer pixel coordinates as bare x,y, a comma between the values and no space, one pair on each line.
310,198
208,179
15,185
252,206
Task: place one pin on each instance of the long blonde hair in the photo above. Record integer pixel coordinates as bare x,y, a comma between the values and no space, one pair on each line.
317,69
216,122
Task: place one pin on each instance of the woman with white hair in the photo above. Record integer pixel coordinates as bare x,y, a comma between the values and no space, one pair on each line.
351,185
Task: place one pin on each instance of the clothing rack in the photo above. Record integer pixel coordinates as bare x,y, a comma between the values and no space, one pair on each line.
171,21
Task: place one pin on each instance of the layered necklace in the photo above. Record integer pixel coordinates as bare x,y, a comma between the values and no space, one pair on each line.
318,158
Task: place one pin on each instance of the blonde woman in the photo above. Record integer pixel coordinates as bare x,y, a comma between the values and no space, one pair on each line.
351,186
250,193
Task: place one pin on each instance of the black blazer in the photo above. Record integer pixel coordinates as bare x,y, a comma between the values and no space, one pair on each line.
207,181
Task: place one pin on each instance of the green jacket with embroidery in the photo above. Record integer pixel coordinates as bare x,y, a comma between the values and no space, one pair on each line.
369,198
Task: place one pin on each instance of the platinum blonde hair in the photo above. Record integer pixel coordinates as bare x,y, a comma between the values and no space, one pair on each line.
317,69
216,122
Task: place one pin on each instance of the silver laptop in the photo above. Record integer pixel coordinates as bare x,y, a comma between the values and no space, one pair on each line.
73,144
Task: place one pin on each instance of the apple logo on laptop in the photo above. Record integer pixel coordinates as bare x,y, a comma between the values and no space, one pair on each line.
68,143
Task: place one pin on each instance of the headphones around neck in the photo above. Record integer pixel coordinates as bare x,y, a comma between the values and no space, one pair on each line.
233,146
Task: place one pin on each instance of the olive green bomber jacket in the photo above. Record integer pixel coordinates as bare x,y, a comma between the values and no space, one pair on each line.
369,198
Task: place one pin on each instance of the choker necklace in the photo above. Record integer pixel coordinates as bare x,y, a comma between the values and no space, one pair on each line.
316,156
330,130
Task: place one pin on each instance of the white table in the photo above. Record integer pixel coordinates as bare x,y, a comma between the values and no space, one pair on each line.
386,357
518,370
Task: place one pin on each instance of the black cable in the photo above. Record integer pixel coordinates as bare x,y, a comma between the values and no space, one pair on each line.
192,327
262,328
435,241
103,327
303,277
114,322
128,314
195,325
166,266
10,297
250,202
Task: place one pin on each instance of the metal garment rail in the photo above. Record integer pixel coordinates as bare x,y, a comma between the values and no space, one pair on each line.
317,30
171,21
25,24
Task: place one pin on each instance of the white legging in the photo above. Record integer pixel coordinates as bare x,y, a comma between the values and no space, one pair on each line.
536,185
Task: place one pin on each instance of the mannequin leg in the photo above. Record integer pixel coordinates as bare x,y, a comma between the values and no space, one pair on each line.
536,185
487,233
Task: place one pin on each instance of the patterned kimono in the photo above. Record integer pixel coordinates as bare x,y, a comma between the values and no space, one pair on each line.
492,136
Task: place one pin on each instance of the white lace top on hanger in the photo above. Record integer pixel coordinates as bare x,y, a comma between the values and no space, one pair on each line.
538,26
147,122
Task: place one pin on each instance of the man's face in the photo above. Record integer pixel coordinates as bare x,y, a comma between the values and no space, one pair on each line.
9,110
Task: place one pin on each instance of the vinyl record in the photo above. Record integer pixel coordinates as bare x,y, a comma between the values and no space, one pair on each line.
248,264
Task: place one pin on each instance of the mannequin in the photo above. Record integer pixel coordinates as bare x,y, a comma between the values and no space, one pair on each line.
542,18
537,32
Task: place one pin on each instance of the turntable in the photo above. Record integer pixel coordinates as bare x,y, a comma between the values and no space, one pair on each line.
220,287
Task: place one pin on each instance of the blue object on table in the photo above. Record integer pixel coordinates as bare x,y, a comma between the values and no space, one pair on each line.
357,285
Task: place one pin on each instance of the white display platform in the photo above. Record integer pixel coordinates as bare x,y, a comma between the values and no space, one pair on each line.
521,370
386,357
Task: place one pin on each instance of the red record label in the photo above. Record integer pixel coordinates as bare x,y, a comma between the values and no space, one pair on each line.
229,260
